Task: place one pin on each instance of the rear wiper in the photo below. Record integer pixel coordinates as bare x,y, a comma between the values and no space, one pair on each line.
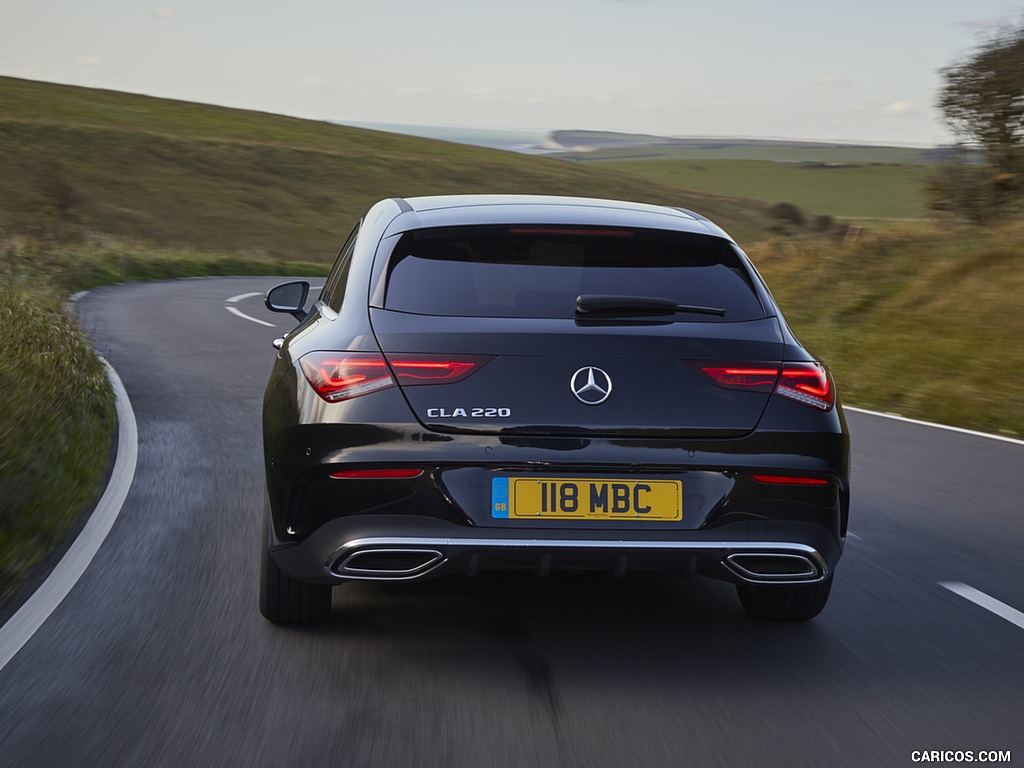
590,304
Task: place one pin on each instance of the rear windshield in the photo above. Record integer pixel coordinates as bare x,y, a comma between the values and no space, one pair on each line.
539,271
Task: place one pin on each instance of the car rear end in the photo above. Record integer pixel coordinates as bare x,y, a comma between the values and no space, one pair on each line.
546,386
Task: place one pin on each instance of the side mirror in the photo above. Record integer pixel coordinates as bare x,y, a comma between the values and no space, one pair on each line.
289,297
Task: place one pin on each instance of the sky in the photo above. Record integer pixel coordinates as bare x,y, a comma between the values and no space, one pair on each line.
836,71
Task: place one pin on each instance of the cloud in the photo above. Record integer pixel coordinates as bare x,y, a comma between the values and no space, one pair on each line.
834,81
89,62
898,108
477,92
414,90
165,12
308,82
589,99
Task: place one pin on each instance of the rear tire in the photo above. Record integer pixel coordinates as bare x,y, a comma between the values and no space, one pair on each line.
771,602
284,600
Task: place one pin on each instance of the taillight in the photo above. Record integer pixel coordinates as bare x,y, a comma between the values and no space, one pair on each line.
413,369
807,383
752,378
338,376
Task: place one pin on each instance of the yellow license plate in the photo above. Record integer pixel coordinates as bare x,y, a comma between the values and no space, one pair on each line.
559,498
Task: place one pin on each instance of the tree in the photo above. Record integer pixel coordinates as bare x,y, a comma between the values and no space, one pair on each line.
983,102
983,98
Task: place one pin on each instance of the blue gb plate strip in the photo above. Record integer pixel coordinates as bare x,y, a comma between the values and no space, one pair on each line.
499,497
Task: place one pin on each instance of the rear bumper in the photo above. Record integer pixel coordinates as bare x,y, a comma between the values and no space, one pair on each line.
410,548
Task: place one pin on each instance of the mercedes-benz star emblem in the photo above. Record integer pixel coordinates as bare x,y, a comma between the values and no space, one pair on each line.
591,385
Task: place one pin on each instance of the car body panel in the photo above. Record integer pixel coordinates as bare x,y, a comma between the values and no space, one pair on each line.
663,421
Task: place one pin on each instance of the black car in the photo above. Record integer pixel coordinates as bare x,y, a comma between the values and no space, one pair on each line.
545,383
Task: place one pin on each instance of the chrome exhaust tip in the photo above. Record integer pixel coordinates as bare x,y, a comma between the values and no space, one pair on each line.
388,564
773,567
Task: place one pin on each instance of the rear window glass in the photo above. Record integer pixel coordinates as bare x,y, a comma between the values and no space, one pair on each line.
539,271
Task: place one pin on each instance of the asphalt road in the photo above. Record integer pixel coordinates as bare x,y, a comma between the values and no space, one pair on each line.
159,657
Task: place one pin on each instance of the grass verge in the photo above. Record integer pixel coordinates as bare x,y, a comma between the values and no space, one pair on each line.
56,428
58,419
924,325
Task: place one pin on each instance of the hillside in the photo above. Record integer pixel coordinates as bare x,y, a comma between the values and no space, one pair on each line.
190,175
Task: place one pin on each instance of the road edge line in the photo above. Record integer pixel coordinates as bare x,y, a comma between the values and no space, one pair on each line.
20,628
961,430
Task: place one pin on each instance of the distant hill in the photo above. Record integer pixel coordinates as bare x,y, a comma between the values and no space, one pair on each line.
183,174
607,145
526,142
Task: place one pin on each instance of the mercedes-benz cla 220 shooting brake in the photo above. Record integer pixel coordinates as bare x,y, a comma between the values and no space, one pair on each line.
544,383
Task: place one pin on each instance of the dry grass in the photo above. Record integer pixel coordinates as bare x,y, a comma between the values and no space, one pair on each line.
925,325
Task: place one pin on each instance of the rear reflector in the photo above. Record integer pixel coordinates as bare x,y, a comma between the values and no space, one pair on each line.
789,480
376,474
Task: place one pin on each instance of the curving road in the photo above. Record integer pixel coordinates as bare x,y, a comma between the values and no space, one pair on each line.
158,656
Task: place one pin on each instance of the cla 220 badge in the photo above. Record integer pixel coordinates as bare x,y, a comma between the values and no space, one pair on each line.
591,385
469,413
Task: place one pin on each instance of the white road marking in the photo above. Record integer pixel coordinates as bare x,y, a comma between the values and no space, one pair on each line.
239,313
241,296
44,601
1002,610
961,430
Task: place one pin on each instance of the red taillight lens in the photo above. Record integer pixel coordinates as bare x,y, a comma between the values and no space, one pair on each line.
752,378
789,480
376,474
807,383
435,369
338,376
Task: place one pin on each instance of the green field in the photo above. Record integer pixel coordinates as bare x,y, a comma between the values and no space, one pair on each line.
782,152
841,189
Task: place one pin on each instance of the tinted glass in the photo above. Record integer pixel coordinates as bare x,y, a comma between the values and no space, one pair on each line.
334,289
539,271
